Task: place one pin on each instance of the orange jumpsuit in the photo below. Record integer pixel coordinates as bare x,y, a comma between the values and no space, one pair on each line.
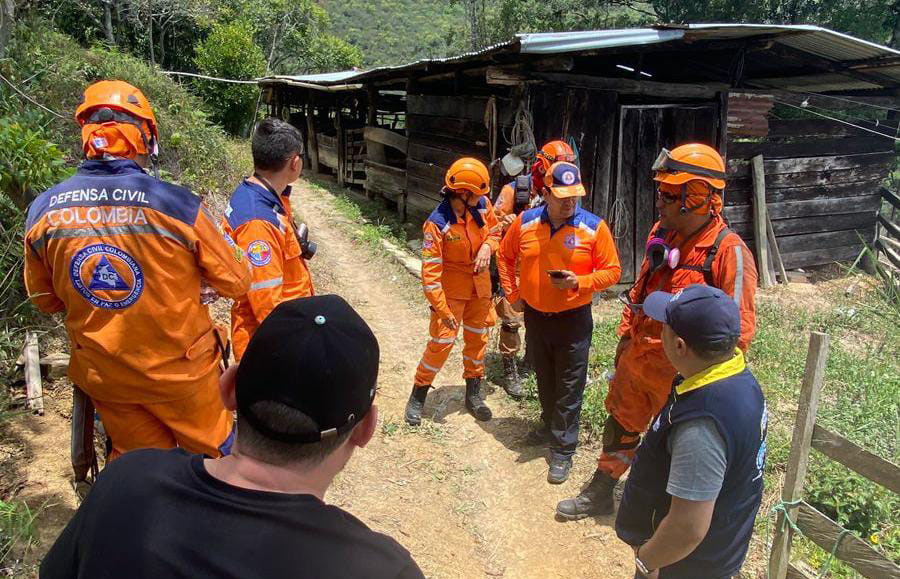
451,286
123,254
643,375
510,320
262,225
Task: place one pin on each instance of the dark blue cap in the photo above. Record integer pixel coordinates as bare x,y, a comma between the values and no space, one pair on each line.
701,315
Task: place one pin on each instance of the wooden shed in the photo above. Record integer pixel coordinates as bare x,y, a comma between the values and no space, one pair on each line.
619,96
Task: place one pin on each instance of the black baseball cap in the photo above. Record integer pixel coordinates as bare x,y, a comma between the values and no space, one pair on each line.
701,315
316,355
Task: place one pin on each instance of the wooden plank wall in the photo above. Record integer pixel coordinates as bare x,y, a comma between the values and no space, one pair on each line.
823,180
440,130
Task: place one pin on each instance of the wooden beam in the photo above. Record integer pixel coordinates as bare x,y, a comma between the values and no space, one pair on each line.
850,549
740,168
776,253
34,390
891,227
798,459
637,87
760,217
503,76
891,197
312,145
814,207
892,256
856,458
387,137
797,573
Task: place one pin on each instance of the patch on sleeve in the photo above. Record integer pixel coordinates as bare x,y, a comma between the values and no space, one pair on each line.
259,252
428,241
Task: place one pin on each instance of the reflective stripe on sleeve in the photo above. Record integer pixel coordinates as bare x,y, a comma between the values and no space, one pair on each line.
427,367
738,275
432,260
267,283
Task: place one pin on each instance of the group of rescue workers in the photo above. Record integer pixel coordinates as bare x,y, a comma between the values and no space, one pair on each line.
128,256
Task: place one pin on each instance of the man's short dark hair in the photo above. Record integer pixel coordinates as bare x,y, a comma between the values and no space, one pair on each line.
721,349
275,142
282,418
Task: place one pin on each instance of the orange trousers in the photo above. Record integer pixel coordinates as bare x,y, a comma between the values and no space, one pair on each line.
198,423
638,390
473,316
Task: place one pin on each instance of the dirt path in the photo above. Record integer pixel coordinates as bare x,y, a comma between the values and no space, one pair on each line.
468,499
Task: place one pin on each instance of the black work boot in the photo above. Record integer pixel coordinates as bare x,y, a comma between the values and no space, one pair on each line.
595,499
474,403
416,404
526,366
559,469
511,382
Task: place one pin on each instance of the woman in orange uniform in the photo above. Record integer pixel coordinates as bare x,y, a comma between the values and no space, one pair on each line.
460,236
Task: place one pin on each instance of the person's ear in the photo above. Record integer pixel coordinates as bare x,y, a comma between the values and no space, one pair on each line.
227,387
681,347
365,430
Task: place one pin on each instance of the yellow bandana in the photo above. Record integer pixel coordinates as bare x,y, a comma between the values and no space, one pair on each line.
714,373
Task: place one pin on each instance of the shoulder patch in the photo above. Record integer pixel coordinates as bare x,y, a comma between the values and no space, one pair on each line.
259,252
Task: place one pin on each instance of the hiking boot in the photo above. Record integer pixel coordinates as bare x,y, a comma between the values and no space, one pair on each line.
416,404
595,499
511,382
474,403
539,435
526,366
559,469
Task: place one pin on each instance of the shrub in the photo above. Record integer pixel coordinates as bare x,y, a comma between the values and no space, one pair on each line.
28,163
229,52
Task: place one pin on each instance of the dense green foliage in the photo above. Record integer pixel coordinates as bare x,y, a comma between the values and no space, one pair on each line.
399,31
229,52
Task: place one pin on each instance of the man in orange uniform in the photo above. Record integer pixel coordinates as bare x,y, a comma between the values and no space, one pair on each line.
460,236
515,197
124,254
565,254
260,220
690,244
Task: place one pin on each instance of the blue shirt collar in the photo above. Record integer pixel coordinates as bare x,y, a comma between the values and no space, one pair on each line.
114,167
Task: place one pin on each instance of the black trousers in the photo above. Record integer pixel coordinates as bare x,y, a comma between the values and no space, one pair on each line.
559,345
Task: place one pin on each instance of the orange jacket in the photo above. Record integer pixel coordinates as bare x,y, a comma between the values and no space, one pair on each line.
733,269
582,245
123,254
262,225
506,200
449,248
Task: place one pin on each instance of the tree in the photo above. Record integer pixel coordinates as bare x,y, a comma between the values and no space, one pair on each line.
229,52
7,21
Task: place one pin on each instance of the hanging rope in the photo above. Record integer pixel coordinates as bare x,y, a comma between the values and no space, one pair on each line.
782,507
490,122
521,139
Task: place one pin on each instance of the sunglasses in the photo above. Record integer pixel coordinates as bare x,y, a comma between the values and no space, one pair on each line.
667,198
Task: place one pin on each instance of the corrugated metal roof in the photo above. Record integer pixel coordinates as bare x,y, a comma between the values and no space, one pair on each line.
821,42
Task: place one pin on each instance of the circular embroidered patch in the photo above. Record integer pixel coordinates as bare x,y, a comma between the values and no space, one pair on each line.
570,241
259,252
568,177
106,276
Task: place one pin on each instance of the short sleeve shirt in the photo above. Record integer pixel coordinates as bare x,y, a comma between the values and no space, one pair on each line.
699,459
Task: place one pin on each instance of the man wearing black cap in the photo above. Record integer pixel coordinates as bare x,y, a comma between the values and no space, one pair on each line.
304,391
696,483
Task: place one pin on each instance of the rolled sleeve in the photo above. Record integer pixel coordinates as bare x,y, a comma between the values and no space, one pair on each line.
699,460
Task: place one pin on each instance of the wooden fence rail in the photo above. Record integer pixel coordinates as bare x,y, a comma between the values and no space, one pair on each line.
812,524
887,231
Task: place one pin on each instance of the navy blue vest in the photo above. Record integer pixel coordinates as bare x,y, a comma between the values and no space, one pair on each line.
737,406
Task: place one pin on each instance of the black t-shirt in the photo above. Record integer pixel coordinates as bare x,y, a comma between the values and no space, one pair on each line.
158,514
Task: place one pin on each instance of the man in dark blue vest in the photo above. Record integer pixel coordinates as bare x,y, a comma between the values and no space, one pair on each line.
697,481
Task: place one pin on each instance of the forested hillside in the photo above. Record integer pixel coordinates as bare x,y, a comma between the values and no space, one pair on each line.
397,31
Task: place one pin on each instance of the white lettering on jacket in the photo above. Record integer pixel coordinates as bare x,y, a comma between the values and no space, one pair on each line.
96,216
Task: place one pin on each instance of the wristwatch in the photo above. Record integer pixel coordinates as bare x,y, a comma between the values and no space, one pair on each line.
640,564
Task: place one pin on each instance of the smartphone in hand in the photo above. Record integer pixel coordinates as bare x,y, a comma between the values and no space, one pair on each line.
556,273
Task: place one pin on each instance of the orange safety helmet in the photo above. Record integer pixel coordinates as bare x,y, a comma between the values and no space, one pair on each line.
468,174
553,152
690,162
116,119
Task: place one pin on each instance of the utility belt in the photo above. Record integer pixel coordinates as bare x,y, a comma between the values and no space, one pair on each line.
558,315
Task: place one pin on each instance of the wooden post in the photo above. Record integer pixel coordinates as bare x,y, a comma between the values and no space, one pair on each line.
341,142
798,459
312,142
776,253
759,222
33,388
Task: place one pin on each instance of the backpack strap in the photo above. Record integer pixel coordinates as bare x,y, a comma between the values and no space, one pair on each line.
706,268
521,193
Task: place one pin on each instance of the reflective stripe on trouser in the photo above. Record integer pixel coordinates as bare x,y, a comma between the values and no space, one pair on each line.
198,423
559,347
472,316
510,321
638,390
